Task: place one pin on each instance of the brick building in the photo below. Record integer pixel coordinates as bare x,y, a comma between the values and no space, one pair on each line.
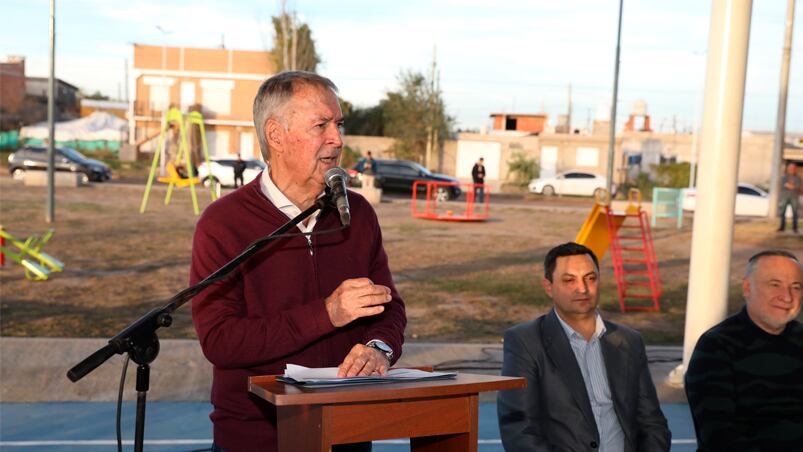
222,82
519,122
23,100
12,92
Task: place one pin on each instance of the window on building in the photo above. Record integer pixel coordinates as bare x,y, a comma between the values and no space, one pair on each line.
160,97
187,95
510,123
216,96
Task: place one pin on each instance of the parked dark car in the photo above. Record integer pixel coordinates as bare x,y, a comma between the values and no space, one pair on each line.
400,175
66,159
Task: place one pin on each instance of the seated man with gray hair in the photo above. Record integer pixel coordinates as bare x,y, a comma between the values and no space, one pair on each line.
745,378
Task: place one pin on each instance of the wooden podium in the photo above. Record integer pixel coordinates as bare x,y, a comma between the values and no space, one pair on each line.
439,415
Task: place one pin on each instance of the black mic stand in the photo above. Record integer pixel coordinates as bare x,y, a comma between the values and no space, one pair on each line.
139,339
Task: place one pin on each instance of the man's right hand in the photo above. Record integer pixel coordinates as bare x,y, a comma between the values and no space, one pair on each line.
356,298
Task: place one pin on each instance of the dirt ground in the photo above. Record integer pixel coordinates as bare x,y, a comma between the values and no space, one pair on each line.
461,281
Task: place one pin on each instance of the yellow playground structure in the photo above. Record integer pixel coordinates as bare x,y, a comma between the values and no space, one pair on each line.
627,233
173,118
37,264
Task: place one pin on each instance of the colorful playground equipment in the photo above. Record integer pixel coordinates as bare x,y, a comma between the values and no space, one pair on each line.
37,264
629,237
437,207
174,118
667,203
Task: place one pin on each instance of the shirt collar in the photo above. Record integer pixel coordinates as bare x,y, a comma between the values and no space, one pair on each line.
272,192
599,329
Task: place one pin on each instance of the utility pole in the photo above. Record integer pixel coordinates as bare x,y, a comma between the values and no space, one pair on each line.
125,85
431,108
50,215
569,112
780,119
294,43
612,134
283,19
438,114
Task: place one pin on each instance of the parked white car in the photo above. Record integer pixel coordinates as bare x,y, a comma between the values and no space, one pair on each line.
223,170
578,183
750,200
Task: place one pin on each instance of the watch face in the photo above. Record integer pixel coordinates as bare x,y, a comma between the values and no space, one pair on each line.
382,347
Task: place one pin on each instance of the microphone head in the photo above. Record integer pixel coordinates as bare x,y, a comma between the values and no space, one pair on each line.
334,173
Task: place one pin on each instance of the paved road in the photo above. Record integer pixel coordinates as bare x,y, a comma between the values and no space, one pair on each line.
184,426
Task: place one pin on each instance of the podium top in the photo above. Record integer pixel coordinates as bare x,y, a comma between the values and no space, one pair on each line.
281,394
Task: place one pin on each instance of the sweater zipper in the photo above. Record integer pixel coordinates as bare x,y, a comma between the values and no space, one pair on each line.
309,242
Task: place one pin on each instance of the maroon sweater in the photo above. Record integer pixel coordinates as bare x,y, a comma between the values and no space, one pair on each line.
271,311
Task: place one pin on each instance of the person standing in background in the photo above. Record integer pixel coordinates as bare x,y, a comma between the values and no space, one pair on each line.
790,191
478,176
239,169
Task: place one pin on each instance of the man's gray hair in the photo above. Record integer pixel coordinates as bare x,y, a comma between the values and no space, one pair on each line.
273,95
753,261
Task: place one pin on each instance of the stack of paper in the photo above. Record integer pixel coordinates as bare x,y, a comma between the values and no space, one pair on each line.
327,376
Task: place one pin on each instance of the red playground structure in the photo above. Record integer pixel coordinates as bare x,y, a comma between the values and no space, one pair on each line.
437,205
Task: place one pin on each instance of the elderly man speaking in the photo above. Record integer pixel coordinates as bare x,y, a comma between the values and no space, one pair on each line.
314,300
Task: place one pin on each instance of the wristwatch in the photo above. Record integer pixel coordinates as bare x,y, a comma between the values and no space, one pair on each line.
382,347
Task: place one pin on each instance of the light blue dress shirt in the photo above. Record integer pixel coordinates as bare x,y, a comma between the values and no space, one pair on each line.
589,358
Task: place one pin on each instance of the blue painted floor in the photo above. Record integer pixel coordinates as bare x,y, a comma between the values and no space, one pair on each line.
185,426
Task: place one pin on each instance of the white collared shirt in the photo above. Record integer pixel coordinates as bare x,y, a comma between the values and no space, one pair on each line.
278,199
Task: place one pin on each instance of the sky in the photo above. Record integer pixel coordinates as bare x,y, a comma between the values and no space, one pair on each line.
493,56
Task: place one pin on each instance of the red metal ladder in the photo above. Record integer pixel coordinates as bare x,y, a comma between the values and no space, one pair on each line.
634,259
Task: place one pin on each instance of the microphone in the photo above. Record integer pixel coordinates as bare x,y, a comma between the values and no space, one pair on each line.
335,179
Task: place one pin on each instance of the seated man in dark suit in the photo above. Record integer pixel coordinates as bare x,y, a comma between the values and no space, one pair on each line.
588,384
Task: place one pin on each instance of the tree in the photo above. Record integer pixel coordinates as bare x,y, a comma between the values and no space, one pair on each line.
409,112
97,95
367,121
522,168
293,46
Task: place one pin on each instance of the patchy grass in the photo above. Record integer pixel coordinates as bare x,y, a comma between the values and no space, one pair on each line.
460,281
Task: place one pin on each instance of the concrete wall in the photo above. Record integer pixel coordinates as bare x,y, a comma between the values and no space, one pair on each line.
577,152
379,146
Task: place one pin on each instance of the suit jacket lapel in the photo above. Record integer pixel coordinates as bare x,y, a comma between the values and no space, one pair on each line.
617,367
560,352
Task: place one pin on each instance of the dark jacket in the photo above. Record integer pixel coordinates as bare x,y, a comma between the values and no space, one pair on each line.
553,413
745,387
478,173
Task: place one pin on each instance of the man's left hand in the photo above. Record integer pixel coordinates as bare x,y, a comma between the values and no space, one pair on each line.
363,360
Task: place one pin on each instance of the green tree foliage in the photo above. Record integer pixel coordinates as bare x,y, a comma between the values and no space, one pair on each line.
667,175
293,46
673,175
522,168
408,113
349,157
367,121
97,95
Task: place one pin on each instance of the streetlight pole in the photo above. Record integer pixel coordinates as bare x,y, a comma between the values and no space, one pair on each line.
50,215
612,133
780,124
162,159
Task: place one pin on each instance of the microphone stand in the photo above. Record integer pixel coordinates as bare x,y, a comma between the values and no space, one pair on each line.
139,339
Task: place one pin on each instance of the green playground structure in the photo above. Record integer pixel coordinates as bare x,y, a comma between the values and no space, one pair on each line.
38,265
174,117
